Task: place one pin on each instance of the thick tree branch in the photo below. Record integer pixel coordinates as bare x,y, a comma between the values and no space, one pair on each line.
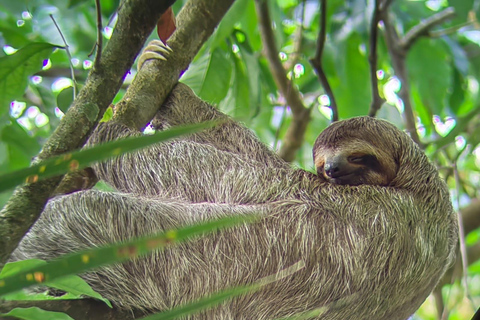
316,62
295,134
377,101
136,20
154,81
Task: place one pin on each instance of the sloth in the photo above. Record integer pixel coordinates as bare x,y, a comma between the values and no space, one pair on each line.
374,227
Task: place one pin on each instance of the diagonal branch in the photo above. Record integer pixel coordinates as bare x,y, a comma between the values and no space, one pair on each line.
154,81
136,20
316,62
295,134
424,27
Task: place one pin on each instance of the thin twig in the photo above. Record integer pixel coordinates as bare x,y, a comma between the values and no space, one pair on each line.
99,43
67,50
423,28
316,62
295,134
461,233
377,101
398,55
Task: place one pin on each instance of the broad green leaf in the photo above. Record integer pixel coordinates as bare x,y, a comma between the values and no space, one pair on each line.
429,68
65,99
209,76
34,313
72,284
353,93
80,159
81,261
16,68
462,8
238,101
219,297
457,95
226,25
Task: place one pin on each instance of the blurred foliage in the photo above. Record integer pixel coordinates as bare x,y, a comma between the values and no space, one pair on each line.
230,71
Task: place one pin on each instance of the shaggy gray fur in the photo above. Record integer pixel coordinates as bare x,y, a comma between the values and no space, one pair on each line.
380,249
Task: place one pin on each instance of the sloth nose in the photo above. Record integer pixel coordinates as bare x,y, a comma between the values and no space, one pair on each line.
337,167
332,169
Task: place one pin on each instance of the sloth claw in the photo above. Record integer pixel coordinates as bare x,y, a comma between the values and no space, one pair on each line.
156,50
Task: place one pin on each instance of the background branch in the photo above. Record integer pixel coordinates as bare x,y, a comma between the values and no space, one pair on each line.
424,27
316,62
136,20
398,48
377,101
295,134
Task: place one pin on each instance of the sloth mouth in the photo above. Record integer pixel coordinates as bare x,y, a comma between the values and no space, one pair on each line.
352,179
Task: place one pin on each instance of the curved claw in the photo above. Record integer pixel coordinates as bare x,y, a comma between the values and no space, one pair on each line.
156,49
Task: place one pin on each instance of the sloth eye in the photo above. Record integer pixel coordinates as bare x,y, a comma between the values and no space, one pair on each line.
357,159
366,160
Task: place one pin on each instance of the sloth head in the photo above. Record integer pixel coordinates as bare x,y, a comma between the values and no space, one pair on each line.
358,151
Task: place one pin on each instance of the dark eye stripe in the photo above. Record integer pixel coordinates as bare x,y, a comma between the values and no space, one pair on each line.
367,160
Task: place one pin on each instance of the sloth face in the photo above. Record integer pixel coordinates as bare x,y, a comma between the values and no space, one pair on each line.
357,151
352,167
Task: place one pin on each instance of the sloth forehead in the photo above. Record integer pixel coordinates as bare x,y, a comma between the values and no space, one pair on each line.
348,146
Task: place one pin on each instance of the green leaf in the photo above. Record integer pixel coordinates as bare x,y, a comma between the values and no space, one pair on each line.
209,76
353,90
458,93
225,28
16,68
65,99
76,286
35,313
238,101
429,68
80,159
115,253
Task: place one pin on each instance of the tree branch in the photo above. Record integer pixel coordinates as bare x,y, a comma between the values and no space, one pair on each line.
398,48
423,28
377,101
136,20
295,134
154,81
398,55
316,62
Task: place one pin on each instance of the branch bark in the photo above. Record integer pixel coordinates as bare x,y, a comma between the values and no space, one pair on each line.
398,48
295,134
377,101
196,22
136,20
316,61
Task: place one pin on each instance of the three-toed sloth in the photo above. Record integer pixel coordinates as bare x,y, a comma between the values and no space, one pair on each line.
375,227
